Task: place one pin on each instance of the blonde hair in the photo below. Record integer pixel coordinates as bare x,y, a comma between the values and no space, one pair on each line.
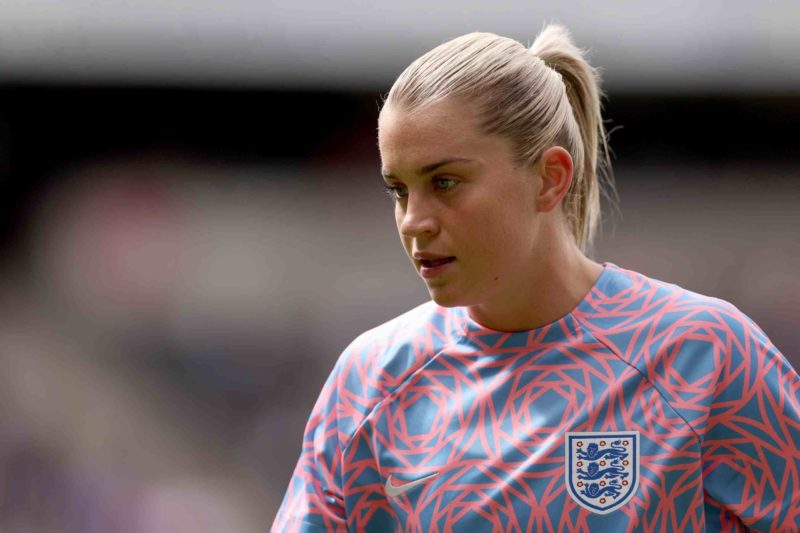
536,98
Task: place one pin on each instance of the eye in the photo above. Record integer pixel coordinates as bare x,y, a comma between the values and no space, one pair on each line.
439,180
399,192
394,192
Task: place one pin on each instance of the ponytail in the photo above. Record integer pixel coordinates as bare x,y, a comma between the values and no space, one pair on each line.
555,48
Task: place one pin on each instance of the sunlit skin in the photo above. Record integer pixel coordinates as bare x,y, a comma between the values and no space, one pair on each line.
517,267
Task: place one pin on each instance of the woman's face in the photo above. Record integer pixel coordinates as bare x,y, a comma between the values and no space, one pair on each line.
482,211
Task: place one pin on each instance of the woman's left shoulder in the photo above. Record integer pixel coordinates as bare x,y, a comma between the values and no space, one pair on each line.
687,306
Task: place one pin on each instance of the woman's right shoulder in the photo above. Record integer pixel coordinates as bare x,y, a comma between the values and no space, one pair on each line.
405,341
380,360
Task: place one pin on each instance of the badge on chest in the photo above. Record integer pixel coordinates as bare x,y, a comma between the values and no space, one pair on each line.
602,468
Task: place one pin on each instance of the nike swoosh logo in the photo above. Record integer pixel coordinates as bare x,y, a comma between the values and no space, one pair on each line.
397,490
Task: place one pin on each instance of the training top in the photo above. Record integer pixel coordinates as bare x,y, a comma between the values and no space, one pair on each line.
648,407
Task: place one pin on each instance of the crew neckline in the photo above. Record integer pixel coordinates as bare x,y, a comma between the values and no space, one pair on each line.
471,328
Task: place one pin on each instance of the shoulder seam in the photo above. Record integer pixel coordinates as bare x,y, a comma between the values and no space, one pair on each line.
644,376
400,385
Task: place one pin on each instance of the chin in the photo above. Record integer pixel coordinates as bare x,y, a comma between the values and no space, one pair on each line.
445,298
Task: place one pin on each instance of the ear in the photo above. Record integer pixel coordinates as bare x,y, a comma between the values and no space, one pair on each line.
555,168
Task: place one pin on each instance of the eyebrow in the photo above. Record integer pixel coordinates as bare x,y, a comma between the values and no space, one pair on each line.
427,169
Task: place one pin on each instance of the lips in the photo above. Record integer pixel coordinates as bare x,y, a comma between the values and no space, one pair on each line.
429,263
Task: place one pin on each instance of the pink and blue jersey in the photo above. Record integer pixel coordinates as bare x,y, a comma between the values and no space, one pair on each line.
647,408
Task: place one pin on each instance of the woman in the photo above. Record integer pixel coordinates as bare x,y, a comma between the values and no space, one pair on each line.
538,390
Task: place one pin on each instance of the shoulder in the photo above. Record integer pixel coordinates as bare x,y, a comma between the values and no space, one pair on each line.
425,320
382,358
630,304
695,349
424,329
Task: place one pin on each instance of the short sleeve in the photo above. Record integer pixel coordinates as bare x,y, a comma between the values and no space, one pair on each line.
751,461
313,501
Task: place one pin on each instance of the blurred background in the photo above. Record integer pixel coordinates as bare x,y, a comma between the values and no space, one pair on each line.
193,223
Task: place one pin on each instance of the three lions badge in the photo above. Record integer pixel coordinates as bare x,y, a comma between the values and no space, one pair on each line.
602,468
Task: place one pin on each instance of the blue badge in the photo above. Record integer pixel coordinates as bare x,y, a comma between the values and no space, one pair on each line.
602,468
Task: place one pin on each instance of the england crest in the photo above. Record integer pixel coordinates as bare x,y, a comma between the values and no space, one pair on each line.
602,468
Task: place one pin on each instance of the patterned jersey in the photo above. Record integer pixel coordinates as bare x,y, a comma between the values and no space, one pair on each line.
647,408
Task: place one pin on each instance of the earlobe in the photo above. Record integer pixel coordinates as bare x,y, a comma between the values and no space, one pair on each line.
556,170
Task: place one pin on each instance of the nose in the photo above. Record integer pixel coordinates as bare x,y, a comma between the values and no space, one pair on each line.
417,218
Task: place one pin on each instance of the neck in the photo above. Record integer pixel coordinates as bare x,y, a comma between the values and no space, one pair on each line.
547,291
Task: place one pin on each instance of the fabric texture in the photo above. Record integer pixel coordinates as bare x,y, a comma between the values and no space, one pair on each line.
484,415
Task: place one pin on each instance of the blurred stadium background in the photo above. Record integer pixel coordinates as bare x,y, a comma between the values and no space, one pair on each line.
193,224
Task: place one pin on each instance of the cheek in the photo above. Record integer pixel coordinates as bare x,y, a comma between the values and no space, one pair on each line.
498,232
398,219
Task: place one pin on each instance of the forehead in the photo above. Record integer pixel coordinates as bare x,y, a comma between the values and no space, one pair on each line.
443,128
